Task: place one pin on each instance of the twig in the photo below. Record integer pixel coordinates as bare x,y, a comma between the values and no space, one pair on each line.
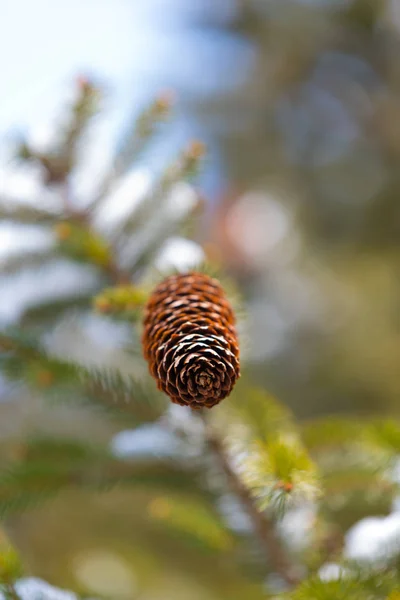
263,526
116,274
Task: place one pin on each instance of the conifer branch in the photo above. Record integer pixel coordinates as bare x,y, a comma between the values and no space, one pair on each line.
84,218
263,525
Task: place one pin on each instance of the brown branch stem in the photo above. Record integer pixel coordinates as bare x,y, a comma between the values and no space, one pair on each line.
263,525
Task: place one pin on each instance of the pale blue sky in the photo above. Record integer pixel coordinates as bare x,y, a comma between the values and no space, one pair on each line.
137,47
131,43
43,43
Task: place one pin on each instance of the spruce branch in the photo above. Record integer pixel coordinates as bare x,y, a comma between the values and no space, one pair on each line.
48,466
84,221
185,168
139,133
263,525
142,130
27,360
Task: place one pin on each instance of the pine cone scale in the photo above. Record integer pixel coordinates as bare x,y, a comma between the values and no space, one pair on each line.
190,341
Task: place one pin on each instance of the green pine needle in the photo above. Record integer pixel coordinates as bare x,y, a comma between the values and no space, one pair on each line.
25,360
141,132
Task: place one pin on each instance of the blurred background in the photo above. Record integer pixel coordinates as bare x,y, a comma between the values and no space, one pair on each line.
298,103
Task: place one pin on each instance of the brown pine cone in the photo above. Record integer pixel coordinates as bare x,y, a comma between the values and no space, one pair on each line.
190,341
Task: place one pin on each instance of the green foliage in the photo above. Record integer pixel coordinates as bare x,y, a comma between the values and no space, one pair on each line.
47,466
124,301
355,458
25,360
385,435
193,518
370,432
10,565
271,458
120,389
81,243
263,413
342,589
141,131
279,472
185,168
278,469
352,584
324,434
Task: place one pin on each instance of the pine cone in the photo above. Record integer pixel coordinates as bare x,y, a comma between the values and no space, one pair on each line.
190,340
